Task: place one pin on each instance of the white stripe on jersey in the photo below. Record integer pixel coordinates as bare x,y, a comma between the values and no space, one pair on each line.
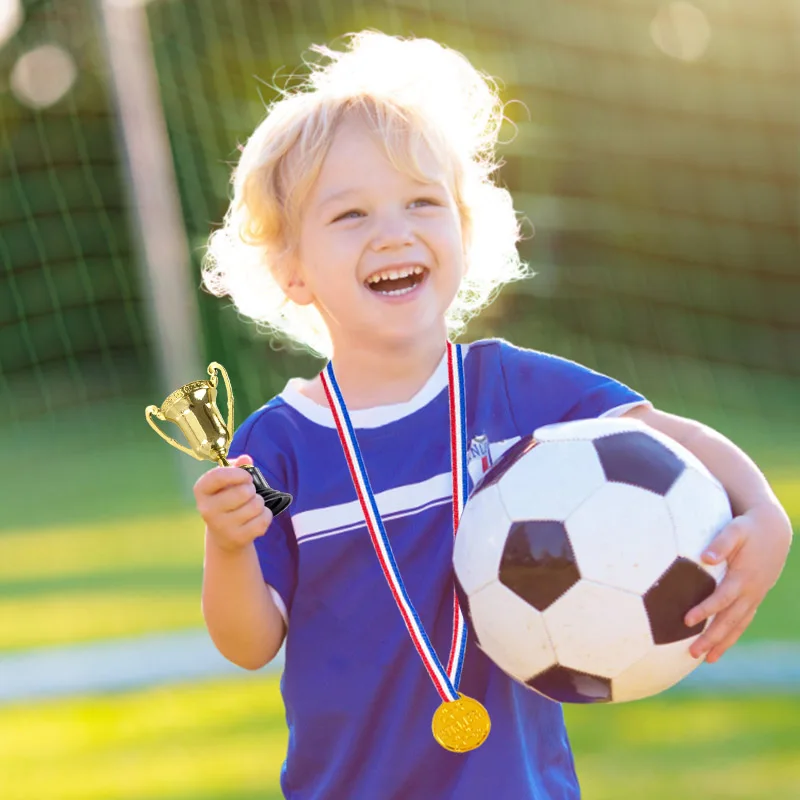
401,501
397,502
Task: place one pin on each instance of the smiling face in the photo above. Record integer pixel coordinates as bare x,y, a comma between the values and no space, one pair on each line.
365,218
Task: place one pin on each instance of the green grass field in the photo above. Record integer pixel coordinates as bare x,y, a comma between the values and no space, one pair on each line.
112,551
121,577
225,740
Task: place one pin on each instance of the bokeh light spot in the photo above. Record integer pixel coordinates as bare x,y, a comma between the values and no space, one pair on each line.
681,30
11,16
42,76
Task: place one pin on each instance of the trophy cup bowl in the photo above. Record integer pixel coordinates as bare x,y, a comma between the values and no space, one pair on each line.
193,408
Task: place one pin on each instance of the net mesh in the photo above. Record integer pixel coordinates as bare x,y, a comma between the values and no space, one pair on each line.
71,327
655,155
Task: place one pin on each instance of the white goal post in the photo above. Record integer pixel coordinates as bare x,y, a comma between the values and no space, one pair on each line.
157,220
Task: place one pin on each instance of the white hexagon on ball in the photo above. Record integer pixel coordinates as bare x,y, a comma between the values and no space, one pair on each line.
623,537
480,540
700,509
511,632
560,475
598,629
661,667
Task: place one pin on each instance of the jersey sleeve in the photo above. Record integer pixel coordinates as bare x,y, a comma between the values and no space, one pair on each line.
544,388
277,548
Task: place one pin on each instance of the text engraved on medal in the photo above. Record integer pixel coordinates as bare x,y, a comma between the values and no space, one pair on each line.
461,725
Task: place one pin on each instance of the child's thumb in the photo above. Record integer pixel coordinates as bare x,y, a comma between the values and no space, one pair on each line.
242,459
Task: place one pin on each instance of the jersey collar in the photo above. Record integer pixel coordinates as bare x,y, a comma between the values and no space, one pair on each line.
370,417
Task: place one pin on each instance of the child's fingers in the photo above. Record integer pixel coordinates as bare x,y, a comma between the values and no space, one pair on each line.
724,595
248,511
727,542
220,478
724,625
717,651
234,497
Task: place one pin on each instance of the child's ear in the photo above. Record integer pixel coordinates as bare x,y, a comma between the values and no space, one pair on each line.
289,275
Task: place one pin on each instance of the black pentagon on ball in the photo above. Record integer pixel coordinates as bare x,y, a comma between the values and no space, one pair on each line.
538,563
570,686
635,458
506,461
668,600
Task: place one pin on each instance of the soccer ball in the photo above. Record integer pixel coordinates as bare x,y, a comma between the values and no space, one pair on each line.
578,555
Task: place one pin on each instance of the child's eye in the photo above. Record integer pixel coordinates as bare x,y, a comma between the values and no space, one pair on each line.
347,215
354,213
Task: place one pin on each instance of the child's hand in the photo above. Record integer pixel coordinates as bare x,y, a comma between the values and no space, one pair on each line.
226,499
755,545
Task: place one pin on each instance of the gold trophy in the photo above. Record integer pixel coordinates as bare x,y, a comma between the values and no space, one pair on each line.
193,408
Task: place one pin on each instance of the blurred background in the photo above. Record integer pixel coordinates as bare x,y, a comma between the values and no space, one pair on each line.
656,155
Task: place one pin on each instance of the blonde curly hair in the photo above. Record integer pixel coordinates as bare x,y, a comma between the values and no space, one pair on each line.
410,90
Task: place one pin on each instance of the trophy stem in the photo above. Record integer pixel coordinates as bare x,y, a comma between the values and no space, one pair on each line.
219,455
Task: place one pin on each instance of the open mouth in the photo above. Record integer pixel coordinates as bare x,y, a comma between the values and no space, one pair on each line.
397,286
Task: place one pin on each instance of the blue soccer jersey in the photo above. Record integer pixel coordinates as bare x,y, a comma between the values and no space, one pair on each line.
358,700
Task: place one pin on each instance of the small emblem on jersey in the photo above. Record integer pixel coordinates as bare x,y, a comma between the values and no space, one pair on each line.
479,457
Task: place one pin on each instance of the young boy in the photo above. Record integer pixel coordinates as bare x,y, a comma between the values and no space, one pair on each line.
365,225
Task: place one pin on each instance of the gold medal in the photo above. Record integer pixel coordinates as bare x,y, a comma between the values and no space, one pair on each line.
461,725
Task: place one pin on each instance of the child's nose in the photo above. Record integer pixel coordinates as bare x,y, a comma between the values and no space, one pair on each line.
392,232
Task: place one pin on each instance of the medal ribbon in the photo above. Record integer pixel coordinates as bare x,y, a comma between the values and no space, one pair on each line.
445,680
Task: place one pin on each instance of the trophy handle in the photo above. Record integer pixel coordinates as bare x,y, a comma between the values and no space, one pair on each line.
151,411
211,367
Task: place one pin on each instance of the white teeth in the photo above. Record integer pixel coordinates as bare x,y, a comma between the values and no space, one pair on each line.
394,274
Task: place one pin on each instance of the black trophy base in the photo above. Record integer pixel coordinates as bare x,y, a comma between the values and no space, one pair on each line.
274,500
